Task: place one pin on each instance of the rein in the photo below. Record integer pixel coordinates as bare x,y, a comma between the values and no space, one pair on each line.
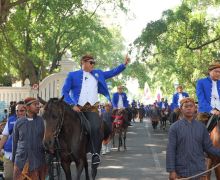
118,117
200,174
59,127
57,133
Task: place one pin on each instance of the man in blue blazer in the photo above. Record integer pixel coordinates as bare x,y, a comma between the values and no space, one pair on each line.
208,91
81,90
163,104
178,96
119,99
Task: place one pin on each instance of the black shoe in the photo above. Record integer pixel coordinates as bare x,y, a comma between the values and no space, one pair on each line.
95,158
129,124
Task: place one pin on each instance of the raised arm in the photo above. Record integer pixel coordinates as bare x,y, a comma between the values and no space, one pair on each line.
117,70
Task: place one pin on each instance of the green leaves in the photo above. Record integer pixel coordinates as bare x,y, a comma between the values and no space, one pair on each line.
37,35
180,45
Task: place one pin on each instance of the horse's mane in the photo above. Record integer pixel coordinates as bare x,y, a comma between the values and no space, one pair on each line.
61,104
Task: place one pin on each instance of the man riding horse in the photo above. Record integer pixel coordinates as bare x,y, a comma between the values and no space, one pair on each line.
208,93
178,96
120,100
81,90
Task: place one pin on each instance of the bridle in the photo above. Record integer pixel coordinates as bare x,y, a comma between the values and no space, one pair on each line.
57,149
59,126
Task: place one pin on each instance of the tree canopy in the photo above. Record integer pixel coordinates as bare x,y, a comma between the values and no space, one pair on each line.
179,46
36,35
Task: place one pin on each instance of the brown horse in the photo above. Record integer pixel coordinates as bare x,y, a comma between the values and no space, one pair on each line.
214,132
120,126
64,131
215,138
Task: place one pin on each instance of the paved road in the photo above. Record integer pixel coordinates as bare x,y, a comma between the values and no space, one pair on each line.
143,160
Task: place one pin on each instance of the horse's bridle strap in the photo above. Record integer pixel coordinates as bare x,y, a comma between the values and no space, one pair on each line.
59,126
117,117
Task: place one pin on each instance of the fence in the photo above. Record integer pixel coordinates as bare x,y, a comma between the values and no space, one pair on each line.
49,87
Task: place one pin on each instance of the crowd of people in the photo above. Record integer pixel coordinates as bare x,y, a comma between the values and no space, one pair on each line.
22,142
22,137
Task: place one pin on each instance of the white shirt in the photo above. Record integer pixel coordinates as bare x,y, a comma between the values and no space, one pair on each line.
215,101
5,132
180,98
89,91
120,101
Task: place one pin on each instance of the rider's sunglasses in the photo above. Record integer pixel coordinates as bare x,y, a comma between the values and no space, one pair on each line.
91,62
22,110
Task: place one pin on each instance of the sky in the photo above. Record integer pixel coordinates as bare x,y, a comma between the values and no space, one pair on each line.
144,11
140,13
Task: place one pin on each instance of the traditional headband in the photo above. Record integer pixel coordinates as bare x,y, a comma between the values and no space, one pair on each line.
30,102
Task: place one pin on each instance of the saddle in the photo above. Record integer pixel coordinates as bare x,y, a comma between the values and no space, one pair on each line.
212,123
118,120
209,120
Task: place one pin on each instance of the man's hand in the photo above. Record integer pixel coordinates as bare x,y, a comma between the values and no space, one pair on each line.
127,59
76,108
215,112
173,176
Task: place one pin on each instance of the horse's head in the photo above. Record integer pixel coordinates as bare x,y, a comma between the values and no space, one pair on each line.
53,116
119,116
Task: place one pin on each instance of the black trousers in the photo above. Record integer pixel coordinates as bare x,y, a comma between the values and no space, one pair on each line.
96,133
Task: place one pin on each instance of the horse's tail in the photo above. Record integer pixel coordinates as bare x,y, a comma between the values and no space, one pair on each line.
107,131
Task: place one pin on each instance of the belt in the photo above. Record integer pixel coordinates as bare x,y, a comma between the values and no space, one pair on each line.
89,108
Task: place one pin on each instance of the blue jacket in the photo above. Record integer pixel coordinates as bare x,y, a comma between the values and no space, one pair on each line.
115,99
203,92
11,122
73,83
165,104
176,99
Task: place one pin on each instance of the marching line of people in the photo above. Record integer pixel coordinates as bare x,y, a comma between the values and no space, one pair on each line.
22,140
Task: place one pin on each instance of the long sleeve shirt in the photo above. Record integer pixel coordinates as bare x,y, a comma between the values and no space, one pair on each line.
186,146
27,143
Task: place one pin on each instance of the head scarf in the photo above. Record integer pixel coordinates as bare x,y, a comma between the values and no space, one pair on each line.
186,100
29,100
214,66
87,57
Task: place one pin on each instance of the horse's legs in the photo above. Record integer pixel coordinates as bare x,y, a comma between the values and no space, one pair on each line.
217,172
86,168
66,168
125,132
113,138
79,166
94,171
95,166
208,166
119,139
